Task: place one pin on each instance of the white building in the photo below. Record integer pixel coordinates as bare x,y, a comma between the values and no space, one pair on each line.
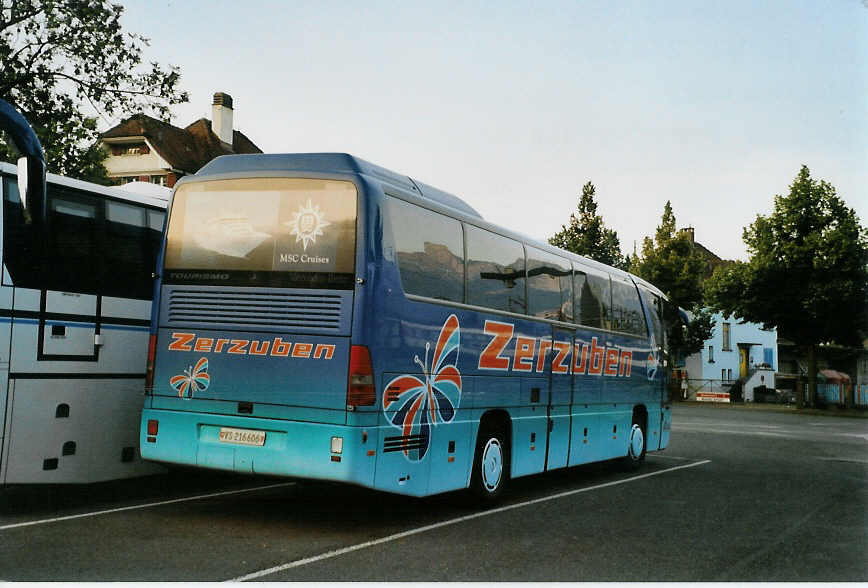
736,353
145,149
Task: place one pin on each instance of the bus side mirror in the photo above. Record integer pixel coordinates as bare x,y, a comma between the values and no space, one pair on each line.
31,164
31,188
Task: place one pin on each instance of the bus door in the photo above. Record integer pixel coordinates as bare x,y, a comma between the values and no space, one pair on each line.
587,436
5,336
658,370
560,399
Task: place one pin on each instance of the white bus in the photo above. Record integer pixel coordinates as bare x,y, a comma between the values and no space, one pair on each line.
75,304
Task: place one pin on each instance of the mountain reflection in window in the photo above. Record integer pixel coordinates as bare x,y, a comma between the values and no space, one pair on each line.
593,299
430,251
495,271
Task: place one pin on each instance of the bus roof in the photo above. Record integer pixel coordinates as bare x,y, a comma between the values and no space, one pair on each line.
154,199
324,163
228,166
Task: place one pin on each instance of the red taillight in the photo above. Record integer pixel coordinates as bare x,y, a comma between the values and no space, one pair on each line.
149,371
153,427
360,388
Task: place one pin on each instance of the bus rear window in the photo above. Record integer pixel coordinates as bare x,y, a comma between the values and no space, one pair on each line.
283,232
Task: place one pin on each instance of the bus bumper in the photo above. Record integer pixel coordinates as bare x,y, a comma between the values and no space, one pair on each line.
291,448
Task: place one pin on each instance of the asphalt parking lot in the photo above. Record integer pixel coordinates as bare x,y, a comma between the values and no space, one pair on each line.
740,494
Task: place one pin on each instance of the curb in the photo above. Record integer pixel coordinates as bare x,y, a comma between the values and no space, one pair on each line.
831,411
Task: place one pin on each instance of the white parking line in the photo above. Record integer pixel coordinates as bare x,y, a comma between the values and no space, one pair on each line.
655,454
729,431
411,532
843,459
857,435
140,506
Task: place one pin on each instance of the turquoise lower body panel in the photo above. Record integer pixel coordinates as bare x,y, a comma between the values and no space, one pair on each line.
528,451
584,444
372,454
665,426
599,432
292,448
444,467
559,438
652,435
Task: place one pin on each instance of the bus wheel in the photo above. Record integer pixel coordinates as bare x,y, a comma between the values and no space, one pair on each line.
636,449
491,465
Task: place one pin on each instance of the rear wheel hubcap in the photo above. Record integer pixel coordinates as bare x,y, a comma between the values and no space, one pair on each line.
637,442
492,465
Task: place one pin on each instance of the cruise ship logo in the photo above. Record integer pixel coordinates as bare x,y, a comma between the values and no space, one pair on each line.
307,224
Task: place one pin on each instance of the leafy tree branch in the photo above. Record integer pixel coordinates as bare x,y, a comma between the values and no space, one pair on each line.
62,62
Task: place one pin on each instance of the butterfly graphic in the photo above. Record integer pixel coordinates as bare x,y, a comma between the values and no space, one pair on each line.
194,379
420,404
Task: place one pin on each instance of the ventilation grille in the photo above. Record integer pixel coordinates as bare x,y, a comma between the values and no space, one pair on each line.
306,311
406,442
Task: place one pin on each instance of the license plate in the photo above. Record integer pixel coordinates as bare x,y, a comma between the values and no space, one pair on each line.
241,436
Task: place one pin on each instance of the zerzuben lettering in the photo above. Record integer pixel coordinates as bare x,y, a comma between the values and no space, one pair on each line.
277,347
528,353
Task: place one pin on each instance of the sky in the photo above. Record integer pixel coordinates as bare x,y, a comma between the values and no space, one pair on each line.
513,106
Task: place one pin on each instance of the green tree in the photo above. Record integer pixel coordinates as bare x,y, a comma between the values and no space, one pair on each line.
807,274
61,58
587,233
671,262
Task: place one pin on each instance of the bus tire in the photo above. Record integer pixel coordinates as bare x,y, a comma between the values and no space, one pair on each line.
490,464
636,448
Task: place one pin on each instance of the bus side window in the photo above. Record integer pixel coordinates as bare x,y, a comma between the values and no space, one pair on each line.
495,271
654,306
73,253
593,298
430,251
549,286
626,308
128,251
156,220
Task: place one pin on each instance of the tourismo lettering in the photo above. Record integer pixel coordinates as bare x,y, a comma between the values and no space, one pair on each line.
529,354
276,347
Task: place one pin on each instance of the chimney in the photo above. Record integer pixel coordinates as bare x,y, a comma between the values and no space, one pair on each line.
221,117
690,233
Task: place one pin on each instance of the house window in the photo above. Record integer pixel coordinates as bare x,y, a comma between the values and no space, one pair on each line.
130,149
711,354
769,356
726,343
159,180
723,374
729,375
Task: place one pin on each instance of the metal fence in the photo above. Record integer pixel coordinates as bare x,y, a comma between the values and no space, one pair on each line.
860,395
707,389
710,389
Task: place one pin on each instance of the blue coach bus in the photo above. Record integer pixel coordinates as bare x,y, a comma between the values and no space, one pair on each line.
320,317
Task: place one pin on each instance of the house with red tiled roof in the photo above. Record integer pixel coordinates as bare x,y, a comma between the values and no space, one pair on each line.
142,148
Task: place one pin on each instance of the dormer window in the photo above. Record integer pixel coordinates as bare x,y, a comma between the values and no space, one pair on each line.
130,149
